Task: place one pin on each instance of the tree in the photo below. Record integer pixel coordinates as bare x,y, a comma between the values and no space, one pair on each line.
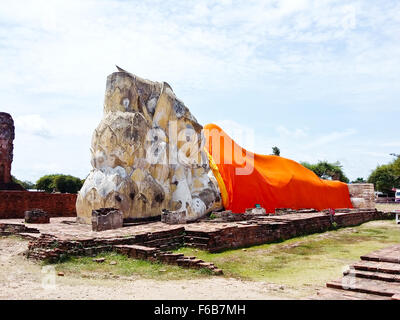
386,177
276,151
67,184
359,180
25,184
327,171
59,182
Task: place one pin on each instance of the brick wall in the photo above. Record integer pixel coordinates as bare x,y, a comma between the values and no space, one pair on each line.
13,204
273,228
362,195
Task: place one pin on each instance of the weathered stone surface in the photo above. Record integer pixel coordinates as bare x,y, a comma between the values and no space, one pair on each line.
362,195
229,216
256,211
106,219
36,216
6,152
173,217
147,154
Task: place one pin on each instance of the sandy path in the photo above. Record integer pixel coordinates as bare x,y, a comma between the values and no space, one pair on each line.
24,279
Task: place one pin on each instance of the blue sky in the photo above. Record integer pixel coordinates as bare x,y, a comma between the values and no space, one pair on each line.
319,79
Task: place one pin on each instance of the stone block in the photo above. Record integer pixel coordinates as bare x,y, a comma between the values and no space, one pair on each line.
362,195
106,219
173,217
256,211
36,216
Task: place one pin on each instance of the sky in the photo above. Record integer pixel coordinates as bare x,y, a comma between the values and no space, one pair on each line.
319,79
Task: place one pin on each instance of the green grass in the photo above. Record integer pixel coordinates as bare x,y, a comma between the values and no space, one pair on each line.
304,261
126,267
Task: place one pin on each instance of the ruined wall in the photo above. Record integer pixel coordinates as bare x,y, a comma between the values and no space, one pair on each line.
147,154
6,146
13,204
6,152
273,228
362,195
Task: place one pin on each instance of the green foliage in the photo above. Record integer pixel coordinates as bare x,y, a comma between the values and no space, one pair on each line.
68,184
59,182
326,170
276,151
359,180
212,216
25,184
387,176
46,183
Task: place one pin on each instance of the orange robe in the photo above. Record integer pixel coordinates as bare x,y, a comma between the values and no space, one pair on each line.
246,179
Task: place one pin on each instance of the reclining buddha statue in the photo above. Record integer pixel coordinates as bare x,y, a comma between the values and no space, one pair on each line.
150,154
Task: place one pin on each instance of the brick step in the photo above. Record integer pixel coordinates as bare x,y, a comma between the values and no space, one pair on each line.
130,224
197,245
154,254
337,294
193,239
385,267
161,241
29,236
391,255
381,288
373,275
203,234
136,251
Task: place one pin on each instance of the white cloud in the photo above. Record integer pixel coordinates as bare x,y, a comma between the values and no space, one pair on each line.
391,144
327,139
303,54
32,124
295,133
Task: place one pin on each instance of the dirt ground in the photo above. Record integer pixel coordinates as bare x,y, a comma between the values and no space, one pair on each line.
24,279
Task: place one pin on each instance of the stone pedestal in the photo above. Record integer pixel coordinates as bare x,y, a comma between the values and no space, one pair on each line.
362,195
37,216
173,217
256,211
106,219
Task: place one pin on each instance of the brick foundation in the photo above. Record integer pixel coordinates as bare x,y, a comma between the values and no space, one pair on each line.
13,204
260,230
65,237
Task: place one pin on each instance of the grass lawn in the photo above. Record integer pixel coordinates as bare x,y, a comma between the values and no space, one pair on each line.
125,267
308,261
304,261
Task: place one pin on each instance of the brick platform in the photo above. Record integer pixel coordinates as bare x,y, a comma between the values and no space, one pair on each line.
64,237
216,237
375,277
